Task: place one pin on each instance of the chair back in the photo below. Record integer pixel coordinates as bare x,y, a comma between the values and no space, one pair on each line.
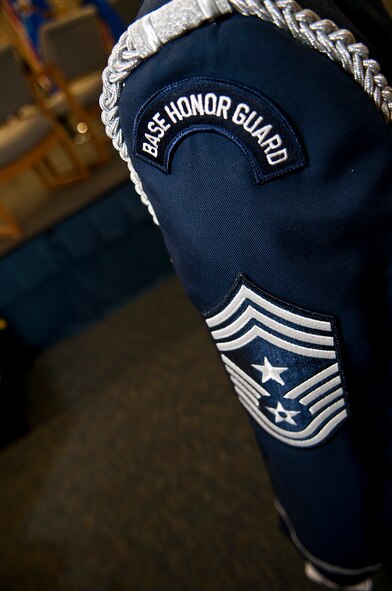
14,90
74,43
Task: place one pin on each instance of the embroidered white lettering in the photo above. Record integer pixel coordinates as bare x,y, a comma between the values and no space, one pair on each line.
197,104
250,121
210,103
262,133
173,113
274,142
224,104
150,150
152,139
161,122
276,157
184,106
154,128
249,126
240,113
222,107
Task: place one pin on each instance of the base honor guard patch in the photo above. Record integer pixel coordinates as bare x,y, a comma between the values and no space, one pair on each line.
248,118
283,363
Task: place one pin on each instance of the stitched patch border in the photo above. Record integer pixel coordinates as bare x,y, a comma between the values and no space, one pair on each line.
247,117
284,363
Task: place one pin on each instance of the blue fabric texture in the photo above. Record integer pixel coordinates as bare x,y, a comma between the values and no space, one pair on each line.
79,270
318,239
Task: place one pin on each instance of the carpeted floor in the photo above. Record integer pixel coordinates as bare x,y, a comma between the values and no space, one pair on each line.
140,472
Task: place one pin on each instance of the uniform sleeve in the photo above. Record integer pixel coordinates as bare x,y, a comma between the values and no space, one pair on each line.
268,167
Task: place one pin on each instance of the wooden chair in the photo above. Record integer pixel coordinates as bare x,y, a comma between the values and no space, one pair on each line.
75,55
28,136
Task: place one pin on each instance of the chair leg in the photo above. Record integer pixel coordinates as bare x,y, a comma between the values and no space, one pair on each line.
41,169
69,149
101,144
52,178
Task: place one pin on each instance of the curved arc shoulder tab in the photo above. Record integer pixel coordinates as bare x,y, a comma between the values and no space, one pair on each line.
247,117
147,35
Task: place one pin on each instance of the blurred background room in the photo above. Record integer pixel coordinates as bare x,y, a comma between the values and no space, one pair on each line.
125,462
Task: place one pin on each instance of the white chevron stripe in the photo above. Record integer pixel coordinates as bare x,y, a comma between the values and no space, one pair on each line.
318,438
256,331
238,381
312,426
251,314
245,383
236,371
316,379
245,391
246,293
321,390
317,406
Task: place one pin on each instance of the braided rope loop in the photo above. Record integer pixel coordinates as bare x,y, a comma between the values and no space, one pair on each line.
147,35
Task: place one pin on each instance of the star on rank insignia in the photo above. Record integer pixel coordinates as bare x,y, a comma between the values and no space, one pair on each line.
281,414
270,372
283,362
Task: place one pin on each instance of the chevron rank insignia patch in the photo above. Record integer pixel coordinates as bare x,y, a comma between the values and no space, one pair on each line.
284,364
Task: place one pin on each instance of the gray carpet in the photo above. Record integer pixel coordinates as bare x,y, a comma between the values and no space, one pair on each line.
140,472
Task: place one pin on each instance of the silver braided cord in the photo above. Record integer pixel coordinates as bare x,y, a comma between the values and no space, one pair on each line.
147,35
324,36
123,59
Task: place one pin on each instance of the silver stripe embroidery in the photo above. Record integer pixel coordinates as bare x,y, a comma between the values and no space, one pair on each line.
313,381
247,294
256,331
246,389
289,387
318,438
250,313
325,401
234,370
314,394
